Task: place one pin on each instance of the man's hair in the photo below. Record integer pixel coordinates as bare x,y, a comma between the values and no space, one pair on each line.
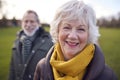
32,11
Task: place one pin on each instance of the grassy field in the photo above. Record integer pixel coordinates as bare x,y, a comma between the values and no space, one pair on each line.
7,37
109,42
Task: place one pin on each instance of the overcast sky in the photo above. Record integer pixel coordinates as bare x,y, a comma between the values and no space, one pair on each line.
46,8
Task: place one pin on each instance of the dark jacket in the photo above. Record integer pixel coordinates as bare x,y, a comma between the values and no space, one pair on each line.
96,70
41,45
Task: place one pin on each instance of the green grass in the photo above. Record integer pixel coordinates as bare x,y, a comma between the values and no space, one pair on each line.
7,36
109,42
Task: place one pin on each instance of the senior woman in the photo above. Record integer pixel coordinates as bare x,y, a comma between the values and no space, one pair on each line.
75,55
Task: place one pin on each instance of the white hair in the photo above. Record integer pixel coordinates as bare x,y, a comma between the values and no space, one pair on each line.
75,10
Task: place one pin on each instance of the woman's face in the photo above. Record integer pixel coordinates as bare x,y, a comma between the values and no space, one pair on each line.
73,37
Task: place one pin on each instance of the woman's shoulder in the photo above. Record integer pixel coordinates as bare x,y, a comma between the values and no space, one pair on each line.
108,74
39,69
41,63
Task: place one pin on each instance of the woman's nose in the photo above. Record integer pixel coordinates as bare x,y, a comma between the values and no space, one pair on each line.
72,35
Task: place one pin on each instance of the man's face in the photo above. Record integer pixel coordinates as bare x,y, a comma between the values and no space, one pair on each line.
30,24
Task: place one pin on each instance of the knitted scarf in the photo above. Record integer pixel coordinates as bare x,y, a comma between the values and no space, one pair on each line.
73,69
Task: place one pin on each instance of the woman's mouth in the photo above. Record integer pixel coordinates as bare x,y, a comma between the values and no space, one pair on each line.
72,44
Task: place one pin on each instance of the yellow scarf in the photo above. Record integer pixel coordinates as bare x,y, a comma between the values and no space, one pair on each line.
73,69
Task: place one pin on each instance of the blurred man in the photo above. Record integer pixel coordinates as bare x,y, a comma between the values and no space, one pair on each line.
32,44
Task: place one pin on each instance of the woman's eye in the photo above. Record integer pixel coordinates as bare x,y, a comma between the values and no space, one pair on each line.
66,28
81,29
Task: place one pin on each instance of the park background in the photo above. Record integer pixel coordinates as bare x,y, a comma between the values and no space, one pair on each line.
108,20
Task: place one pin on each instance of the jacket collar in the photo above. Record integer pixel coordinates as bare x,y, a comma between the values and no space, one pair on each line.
48,66
18,44
96,66
39,32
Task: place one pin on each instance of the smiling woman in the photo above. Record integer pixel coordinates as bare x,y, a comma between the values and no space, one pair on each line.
75,54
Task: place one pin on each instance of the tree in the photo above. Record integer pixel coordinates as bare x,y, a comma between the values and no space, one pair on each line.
3,21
